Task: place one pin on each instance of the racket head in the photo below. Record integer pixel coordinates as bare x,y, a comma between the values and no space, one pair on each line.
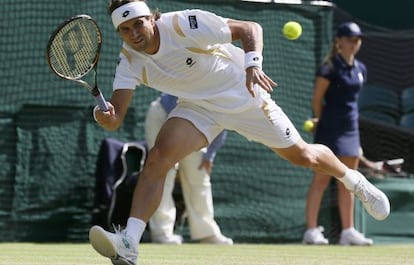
73,48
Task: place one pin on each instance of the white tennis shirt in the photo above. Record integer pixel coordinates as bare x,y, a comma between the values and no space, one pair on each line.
195,62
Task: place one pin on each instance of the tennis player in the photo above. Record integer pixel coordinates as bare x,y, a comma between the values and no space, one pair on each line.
190,54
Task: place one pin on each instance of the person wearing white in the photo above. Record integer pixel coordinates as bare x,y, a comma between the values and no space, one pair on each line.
194,171
189,54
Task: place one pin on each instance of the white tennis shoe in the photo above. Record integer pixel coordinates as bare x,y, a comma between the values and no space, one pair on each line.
374,200
314,236
116,246
353,237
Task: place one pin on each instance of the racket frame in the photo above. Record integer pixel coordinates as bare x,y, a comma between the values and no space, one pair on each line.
94,90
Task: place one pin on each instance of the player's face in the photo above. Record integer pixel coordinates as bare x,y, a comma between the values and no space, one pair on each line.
140,33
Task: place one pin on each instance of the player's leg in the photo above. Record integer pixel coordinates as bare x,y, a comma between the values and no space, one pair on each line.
314,233
321,159
177,138
198,200
315,156
162,221
270,126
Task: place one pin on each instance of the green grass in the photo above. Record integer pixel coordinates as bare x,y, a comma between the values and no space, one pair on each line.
197,254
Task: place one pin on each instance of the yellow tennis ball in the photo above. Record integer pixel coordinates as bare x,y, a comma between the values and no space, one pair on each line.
308,125
292,30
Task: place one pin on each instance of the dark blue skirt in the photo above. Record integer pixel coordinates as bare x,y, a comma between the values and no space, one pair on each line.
343,139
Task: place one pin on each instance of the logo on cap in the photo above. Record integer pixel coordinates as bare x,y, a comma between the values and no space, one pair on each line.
354,27
125,14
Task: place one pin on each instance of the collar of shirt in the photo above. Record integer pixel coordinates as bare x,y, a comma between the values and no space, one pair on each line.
344,64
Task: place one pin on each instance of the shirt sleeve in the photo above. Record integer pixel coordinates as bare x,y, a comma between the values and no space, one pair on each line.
326,70
124,78
215,145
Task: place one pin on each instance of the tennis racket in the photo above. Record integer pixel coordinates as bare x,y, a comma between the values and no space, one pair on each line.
73,52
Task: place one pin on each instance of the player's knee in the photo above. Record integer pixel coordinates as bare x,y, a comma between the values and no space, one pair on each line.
315,155
157,162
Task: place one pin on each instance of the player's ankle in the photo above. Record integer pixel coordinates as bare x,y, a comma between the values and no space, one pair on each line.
350,179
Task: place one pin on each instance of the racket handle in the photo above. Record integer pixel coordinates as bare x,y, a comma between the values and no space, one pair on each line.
101,102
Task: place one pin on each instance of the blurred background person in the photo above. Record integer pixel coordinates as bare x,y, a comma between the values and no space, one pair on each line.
194,175
335,109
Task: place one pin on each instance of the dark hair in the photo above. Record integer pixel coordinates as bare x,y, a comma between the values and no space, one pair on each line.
114,4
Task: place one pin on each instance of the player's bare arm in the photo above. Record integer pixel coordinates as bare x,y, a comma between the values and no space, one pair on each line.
250,34
118,106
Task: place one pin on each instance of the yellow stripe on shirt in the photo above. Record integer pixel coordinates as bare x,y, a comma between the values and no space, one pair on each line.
177,27
214,51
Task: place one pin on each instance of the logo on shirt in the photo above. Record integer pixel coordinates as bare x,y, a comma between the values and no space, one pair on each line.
190,62
360,77
193,22
287,132
126,13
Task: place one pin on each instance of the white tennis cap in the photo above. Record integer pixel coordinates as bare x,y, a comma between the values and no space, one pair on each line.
129,11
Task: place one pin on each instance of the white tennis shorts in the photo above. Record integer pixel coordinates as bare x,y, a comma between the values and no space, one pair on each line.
266,124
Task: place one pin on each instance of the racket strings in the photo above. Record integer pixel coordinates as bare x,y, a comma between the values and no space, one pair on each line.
75,48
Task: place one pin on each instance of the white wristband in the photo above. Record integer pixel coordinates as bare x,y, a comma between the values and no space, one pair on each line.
254,59
93,112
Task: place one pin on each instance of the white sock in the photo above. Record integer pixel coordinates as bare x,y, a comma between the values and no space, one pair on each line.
135,228
348,230
350,179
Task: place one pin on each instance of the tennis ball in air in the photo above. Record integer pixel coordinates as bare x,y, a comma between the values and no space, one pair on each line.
308,125
292,30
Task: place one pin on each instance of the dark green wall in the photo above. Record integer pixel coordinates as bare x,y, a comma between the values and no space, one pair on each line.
395,14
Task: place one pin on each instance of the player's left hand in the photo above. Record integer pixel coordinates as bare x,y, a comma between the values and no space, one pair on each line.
255,75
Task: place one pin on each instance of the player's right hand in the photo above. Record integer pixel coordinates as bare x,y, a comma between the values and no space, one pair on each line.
106,119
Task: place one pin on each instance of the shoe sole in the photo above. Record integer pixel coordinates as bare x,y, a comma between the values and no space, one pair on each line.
101,243
221,243
350,244
315,244
121,262
355,244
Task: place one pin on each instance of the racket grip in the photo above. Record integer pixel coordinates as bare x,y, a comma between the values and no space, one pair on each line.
101,102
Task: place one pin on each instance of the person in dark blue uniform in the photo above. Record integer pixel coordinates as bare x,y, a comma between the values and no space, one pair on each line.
335,107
